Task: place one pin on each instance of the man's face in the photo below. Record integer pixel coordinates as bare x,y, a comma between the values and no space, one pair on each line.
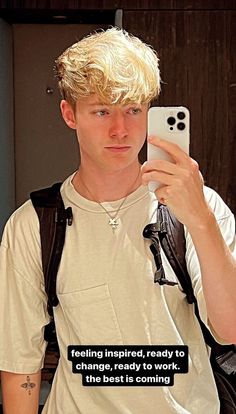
110,136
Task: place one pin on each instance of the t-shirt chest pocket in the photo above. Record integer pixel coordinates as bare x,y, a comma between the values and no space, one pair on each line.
91,316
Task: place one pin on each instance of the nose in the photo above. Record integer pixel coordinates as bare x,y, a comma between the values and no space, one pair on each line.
118,127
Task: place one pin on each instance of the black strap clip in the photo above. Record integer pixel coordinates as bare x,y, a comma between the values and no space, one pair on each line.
151,232
64,214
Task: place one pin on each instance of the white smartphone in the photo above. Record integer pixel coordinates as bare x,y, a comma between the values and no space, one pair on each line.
171,124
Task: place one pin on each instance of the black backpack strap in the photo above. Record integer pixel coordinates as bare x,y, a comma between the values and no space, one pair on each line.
53,218
173,242
170,233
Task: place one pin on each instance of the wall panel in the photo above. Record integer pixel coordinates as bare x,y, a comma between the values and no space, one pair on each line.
198,62
125,4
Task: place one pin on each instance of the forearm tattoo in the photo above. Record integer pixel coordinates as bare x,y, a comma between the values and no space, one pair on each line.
28,385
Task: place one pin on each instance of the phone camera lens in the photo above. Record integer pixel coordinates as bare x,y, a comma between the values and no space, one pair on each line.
181,115
171,120
181,126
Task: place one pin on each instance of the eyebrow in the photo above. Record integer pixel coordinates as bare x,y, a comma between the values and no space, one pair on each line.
110,104
99,104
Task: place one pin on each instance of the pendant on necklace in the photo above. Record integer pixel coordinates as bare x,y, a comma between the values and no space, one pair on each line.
114,222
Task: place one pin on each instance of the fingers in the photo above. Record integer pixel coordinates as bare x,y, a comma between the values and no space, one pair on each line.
164,172
165,179
178,155
159,165
181,182
183,166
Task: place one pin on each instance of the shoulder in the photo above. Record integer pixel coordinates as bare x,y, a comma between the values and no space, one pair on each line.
20,250
219,207
23,224
225,220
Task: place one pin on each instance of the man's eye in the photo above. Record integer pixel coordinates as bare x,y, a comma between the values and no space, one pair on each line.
101,113
135,111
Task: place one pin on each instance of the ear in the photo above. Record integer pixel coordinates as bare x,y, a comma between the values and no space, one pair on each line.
68,114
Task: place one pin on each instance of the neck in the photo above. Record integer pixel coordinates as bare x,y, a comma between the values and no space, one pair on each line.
107,186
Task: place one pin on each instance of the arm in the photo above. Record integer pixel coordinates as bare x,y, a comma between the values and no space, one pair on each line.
218,270
20,392
182,192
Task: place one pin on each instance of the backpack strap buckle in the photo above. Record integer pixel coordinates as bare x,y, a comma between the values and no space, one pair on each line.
151,232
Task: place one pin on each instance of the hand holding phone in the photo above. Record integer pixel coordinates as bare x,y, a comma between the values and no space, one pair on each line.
170,124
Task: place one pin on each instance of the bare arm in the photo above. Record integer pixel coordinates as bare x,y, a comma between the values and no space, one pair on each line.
218,269
20,392
182,192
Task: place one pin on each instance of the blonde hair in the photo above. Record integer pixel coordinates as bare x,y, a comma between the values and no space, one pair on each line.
113,64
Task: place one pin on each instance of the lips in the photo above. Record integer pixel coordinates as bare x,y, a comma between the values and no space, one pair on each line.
118,148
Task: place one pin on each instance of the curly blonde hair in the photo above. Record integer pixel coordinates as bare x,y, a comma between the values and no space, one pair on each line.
113,64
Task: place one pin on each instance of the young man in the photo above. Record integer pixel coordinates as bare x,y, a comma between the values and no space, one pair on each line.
105,280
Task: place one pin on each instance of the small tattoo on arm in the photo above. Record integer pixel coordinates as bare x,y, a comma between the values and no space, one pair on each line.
28,385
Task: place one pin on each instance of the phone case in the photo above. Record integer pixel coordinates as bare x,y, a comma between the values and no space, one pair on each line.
171,124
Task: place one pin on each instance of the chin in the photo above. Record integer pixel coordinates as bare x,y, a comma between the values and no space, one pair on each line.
120,165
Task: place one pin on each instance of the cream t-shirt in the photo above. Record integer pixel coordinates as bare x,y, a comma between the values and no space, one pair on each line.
106,296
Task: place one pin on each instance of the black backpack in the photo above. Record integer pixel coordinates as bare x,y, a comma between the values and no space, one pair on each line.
167,231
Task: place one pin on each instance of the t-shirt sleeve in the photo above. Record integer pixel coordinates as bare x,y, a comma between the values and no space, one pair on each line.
226,224
22,297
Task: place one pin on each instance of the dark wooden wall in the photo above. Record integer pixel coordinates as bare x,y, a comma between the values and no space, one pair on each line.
124,4
197,51
196,43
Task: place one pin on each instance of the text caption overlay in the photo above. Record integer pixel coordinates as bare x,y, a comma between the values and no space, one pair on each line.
128,365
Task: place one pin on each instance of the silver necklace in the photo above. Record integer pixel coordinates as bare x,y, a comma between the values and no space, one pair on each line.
113,220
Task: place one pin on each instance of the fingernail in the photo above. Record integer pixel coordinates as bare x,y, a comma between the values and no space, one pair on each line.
154,138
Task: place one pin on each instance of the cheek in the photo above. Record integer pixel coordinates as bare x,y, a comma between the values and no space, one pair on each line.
84,132
141,125
141,131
